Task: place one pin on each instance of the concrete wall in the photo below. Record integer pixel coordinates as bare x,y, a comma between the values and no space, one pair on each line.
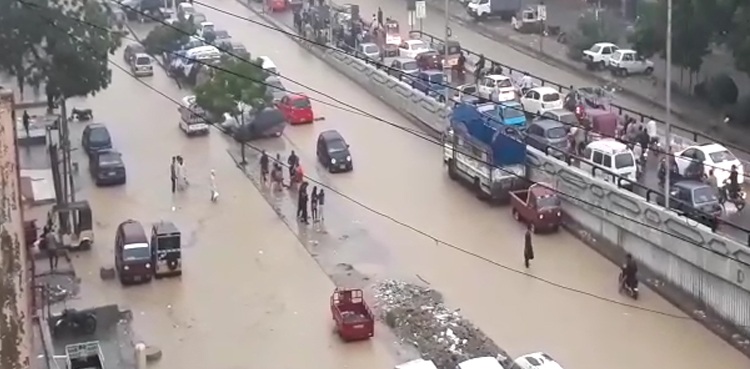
709,267
15,325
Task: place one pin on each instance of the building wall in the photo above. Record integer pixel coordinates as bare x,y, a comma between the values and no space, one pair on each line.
15,320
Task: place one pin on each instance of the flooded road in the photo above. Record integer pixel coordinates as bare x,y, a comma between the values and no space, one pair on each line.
251,293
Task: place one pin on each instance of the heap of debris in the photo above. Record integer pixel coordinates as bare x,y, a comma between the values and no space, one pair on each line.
418,317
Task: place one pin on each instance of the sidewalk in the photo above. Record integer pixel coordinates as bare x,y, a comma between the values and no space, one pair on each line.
651,90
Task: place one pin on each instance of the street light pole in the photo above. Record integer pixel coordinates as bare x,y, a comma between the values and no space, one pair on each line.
668,133
445,52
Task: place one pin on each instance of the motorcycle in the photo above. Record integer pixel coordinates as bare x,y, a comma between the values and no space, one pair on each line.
631,291
738,198
75,322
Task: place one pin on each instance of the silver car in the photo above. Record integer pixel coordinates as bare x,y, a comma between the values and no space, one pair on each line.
369,50
548,136
402,67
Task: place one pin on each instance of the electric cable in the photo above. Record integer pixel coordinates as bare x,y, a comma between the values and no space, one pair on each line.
683,238
406,225
448,86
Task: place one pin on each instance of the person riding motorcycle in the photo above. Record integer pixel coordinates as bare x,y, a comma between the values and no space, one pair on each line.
630,272
732,183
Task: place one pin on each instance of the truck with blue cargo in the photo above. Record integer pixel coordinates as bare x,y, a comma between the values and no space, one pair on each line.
481,153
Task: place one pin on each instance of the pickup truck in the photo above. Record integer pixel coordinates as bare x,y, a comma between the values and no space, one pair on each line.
538,207
86,355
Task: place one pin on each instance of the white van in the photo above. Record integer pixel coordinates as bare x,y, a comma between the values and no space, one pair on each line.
185,10
192,117
268,65
613,157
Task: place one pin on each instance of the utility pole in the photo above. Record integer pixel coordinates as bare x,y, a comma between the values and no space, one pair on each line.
668,133
446,53
67,175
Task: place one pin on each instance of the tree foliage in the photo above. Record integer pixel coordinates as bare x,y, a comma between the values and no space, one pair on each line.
235,81
168,38
739,37
589,31
64,44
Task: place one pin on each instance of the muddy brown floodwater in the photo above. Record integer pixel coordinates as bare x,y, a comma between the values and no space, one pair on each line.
252,295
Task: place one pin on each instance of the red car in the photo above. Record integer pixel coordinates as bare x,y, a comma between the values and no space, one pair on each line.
296,109
277,5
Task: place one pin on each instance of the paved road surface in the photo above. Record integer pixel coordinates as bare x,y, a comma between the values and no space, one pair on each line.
251,294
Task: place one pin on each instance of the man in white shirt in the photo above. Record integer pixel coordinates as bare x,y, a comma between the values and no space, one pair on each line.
527,83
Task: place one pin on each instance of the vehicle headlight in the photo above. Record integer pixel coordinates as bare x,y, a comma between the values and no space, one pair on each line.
348,158
126,267
333,161
541,216
148,265
497,174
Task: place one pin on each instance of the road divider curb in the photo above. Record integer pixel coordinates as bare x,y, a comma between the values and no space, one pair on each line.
709,267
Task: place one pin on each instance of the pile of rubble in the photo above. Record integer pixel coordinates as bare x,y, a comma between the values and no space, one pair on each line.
418,317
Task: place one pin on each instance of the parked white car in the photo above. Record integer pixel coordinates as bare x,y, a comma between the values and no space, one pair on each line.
537,360
713,156
412,48
540,100
598,55
626,62
497,87
205,27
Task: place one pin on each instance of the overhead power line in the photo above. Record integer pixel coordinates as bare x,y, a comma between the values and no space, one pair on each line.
401,223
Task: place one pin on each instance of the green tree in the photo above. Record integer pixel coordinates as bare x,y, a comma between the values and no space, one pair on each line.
168,38
235,81
649,37
739,38
64,44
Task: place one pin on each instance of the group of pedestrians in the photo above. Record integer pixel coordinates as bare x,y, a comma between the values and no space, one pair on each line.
178,174
313,201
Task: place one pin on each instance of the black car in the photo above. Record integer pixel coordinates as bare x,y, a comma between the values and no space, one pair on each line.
269,122
333,152
107,168
96,138
695,200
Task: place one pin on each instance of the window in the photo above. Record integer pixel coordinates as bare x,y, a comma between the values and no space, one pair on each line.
371,49
301,103
689,153
336,145
721,156
504,83
168,243
410,65
143,60
535,130
547,202
136,251
598,157
557,132
99,135
607,161
704,195
489,82
510,112
624,160
551,97
110,159
596,49
587,153
616,56
532,95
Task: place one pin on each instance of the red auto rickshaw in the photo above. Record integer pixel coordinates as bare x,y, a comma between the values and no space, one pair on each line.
539,207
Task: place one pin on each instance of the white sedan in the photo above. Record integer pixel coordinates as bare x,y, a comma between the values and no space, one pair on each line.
537,360
412,48
713,156
540,100
497,87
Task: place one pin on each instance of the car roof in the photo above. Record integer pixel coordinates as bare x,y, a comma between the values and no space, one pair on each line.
331,134
431,72
546,90
604,44
560,112
164,227
711,147
497,77
97,126
298,96
404,59
690,185
486,362
133,231
542,358
548,123
138,55
608,145
413,41
626,51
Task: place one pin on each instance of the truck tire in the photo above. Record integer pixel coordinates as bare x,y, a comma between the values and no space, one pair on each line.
478,189
515,214
452,170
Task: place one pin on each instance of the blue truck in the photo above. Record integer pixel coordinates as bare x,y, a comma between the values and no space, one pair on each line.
478,151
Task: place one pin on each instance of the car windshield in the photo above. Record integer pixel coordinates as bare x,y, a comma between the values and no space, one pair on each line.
143,60
220,35
100,135
595,49
110,159
168,243
301,103
704,195
722,156
551,97
503,83
567,119
557,132
136,251
624,160
336,145
371,49
410,65
547,202
512,112
436,78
